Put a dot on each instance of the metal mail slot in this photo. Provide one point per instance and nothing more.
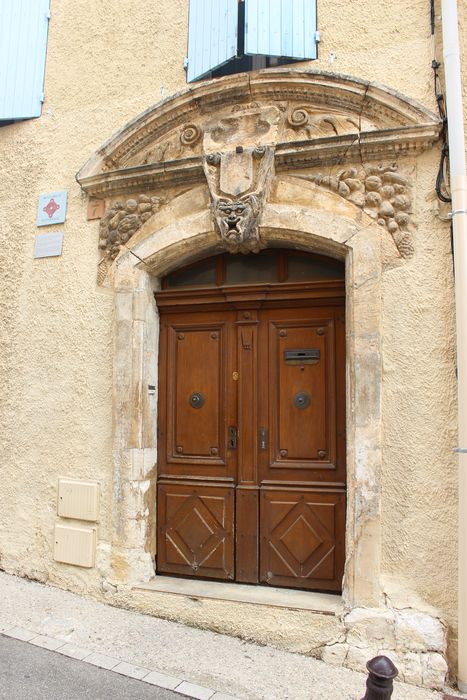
(302, 356)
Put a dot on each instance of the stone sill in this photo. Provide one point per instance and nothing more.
(321, 603)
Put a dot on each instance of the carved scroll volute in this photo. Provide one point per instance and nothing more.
(237, 197)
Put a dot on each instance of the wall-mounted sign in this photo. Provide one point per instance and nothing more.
(52, 208)
(96, 209)
(48, 245)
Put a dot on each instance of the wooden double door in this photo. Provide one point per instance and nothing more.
(251, 471)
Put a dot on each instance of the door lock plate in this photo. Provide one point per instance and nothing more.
(232, 438)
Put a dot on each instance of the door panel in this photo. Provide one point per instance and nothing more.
(302, 409)
(302, 540)
(303, 400)
(196, 524)
(195, 405)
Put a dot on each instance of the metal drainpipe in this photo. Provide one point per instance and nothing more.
(458, 186)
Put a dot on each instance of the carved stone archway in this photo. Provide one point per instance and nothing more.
(309, 160)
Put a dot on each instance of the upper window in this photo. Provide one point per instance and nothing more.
(272, 266)
(23, 45)
(230, 36)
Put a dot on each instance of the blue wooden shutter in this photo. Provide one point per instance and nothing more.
(23, 46)
(212, 35)
(281, 28)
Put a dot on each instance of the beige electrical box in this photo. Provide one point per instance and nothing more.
(78, 499)
(75, 545)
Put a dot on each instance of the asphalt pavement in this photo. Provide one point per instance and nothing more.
(27, 671)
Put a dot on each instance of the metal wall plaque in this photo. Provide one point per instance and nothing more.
(48, 245)
(52, 208)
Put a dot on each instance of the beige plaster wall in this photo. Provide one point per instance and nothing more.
(104, 66)
(419, 420)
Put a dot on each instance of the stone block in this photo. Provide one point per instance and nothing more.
(410, 668)
(335, 654)
(418, 631)
(130, 670)
(102, 661)
(74, 652)
(162, 680)
(47, 642)
(434, 670)
(370, 628)
(195, 691)
(357, 658)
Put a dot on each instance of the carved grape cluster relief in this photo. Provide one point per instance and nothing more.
(382, 192)
(122, 221)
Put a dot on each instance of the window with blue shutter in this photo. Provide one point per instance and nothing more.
(230, 36)
(23, 47)
(281, 28)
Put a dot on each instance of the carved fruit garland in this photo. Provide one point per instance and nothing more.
(119, 224)
(122, 221)
(382, 193)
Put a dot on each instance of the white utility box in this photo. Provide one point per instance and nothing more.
(78, 499)
(75, 545)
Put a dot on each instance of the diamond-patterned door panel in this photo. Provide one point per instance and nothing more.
(302, 538)
(195, 532)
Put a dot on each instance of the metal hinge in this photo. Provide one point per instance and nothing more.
(185, 62)
(42, 97)
(317, 36)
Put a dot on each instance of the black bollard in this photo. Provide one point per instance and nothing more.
(381, 673)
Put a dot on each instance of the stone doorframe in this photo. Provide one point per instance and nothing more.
(135, 369)
(237, 164)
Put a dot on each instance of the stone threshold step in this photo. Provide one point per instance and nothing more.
(321, 603)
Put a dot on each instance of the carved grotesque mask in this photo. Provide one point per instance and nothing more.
(237, 221)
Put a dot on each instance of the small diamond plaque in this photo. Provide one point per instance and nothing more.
(52, 208)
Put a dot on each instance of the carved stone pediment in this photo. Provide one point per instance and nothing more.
(236, 132)
(317, 118)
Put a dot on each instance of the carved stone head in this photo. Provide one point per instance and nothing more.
(237, 221)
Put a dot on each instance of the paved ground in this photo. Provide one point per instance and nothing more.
(26, 671)
(196, 663)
